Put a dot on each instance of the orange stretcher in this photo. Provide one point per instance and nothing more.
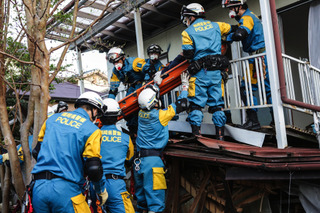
(171, 79)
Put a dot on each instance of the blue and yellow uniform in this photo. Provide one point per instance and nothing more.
(254, 44)
(67, 139)
(150, 68)
(116, 148)
(132, 73)
(203, 37)
(153, 135)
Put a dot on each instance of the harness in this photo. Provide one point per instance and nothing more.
(145, 153)
(114, 177)
(261, 50)
(210, 63)
(45, 175)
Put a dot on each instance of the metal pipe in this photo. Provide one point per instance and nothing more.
(278, 112)
(282, 81)
(138, 28)
(80, 70)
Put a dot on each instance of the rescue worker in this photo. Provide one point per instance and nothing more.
(131, 72)
(201, 45)
(153, 62)
(116, 148)
(153, 135)
(68, 149)
(250, 33)
(62, 107)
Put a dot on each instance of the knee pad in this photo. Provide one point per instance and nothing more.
(194, 106)
(93, 168)
(212, 110)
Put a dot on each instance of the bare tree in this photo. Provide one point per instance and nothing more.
(33, 17)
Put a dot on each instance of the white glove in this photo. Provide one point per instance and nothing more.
(103, 197)
(5, 157)
(157, 78)
(185, 80)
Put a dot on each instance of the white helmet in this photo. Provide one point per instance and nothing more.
(111, 107)
(193, 9)
(115, 54)
(89, 98)
(148, 98)
(232, 3)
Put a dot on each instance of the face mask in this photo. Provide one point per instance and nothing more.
(118, 66)
(232, 14)
(154, 56)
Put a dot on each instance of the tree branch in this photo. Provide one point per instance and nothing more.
(84, 32)
(21, 61)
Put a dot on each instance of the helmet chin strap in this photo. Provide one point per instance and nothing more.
(93, 117)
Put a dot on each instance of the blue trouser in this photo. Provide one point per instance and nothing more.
(55, 195)
(255, 86)
(205, 89)
(150, 184)
(119, 198)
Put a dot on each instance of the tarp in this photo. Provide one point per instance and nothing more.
(314, 34)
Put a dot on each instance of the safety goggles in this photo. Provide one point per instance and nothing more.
(113, 57)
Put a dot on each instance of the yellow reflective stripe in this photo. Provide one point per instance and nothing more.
(186, 40)
(130, 152)
(93, 145)
(224, 27)
(248, 22)
(20, 154)
(79, 204)
(138, 64)
(192, 87)
(159, 181)
(42, 131)
(114, 78)
(128, 207)
(222, 87)
(166, 115)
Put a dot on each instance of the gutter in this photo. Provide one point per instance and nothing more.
(282, 81)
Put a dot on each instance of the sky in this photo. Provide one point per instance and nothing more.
(90, 60)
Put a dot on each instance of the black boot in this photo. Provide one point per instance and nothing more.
(228, 115)
(195, 130)
(252, 123)
(220, 133)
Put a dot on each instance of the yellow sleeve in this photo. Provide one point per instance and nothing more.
(42, 131)
(93, 145)
(224, 27)
(248, 22)
(130, 152)
(166, 115)
(138, 64)
(186, 40)
(114, 78)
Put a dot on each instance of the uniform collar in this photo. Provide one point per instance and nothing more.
(104, 127)
(83, 113)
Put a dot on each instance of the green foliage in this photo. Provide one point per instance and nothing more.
(63, 17)
(16, 71)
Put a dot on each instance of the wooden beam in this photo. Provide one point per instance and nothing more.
(112, 34)
(159, 11)
(200, 193)
(106, 21)
(122, 26)
(148, 22)
(87, 15)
